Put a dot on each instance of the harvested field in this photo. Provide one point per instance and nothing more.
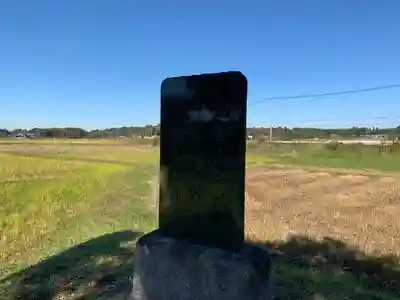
(357, 209)
(333, 235)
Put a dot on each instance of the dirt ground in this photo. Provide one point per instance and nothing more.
(358, 209)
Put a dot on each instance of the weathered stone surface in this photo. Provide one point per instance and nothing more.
(171, 269)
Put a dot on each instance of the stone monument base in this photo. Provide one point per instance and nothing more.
(172, 269)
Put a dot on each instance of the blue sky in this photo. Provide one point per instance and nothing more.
(98, 63)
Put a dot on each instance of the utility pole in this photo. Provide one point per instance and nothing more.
(270, 133)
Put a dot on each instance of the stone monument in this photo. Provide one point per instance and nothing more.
(199, 251)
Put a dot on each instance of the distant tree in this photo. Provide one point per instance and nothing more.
(75, 133)
(4, 133)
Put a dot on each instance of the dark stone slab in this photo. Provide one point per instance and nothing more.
(202, 159)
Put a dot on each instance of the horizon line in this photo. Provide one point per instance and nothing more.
(247, 126)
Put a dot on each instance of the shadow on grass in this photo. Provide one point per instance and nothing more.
(304, 268)
(100, 268)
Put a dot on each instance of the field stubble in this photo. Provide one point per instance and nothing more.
(357, 209)
(334, 235)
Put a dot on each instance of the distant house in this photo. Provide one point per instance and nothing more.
(19, 136)
(23, 135)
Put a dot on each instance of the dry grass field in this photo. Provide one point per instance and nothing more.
(70, 214)
(334, 235)
(360, 209)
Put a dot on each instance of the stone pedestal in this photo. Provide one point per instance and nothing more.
(167, 268)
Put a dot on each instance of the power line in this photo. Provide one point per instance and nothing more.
(364, 90)
(306, 122)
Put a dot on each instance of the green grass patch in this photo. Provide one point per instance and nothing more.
(85, 142)
(95, 142)
(290, 282)
(357, 157)
(50, 201)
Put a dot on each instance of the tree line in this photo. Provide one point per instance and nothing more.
(282, 133)
(78, 133)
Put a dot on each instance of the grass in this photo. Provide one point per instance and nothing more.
(87, 142)
(55, 199)
(305, 268)
(71, 211)
(334, 233)
(84, 142)
(292, 282)
(356, 157)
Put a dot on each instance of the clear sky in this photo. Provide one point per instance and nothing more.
(98, 63)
